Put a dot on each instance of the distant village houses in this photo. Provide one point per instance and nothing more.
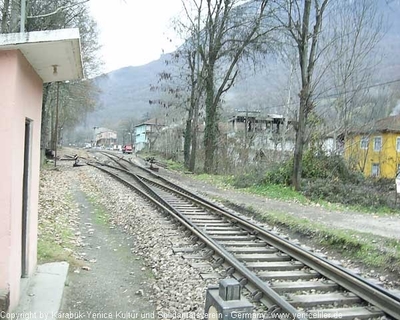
(105, 137)
(264, 131)
(245, 137)
(374, 148)
(146, 133)
(253, 121)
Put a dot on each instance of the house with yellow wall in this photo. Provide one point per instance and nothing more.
(374, 149)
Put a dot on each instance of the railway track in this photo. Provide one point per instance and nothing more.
(282, 275)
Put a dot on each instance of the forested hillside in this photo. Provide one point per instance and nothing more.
(125, 93)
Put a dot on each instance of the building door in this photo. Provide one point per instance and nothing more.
(25, 199)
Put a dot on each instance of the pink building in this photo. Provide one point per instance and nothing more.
(27, 60)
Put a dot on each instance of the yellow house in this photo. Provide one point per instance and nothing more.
(374, 149)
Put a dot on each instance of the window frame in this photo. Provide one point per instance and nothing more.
(380, 148)
(398, 144)
(364, 140)
(376, 165)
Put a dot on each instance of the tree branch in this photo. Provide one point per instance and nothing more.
(56, 11)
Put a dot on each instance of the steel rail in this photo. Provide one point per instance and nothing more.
(367, 290)
(112, 157)
(270, 295)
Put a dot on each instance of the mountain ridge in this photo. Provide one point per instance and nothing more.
(125, 92)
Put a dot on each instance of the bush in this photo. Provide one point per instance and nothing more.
(316, 165)
(280, 173)
(347, 193)
(253, 178)
(329, 178)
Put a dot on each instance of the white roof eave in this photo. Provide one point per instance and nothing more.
(55, 55)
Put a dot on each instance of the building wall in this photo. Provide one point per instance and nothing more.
(141, 139)
(21, 98)
(388, 157)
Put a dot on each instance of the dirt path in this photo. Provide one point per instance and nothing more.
(116, 284)
(387, 226)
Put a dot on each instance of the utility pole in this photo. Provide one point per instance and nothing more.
(23, 16)
(56, 129)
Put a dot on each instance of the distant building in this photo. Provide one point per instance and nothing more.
(269, 132)
(374, 149)
(252, 121)
(105, 137)
(146, 133)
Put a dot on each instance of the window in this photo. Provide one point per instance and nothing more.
(377, 143)
(398, 144)
(364, 143)
(375, 170)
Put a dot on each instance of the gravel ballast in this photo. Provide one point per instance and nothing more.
(164, 279)
(177, 287)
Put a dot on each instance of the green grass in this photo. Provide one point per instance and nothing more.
(286, 193)
(177, 166)
(381, 211)
(220, 181)
(272, 191)
(50, 251)
(55, 241)
(372, 250)
(102, 217)
(280, 192)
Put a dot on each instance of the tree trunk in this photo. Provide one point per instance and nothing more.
(192, 163)
(4, 16)
(210, 131)
(188, 138)
(306, 66)
(15, 15)
(299, 146)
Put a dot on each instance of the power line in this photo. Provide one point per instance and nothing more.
(341, 93)
(362, 88)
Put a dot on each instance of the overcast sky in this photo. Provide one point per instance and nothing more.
(134, 32)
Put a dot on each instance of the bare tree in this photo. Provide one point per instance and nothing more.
(5, 16)
(189, 73)
(196, 94)
(48, 15)
(15, 15)
(228, 29)
(10, 15)
(127, 126)
(357, 28)
(178, 86)
(304, 28)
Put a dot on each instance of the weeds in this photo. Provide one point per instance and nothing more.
(56, 236)
(374, 251)
(101, 215)
(177, 166)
